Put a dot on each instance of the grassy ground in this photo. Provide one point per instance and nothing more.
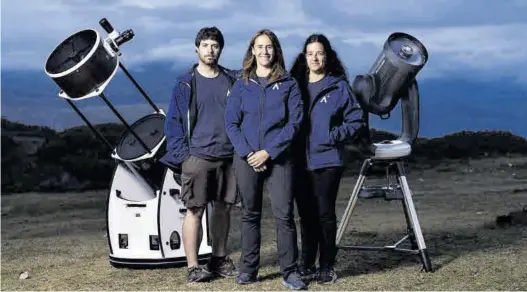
(59, 238)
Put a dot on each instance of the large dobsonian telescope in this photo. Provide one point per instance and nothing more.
(144, 211)
(391, 79)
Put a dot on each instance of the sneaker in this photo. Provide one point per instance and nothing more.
(327, 276)
(294, 281)
(222, 266)
(308, 274)
(198, 274)
(246, 278)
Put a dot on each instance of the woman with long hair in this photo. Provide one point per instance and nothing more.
(332, 117)
(263, 115)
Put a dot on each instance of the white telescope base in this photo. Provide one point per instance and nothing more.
(145, 229)
(391, 149)
(389, 154)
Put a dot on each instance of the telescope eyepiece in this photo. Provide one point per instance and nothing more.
(124, 37)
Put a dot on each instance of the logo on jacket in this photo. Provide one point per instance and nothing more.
(228, 92)
(276, 86)
(325, 99)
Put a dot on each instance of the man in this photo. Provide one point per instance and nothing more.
(198, 146)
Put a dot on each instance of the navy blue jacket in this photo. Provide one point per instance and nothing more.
(331, 120)
(263, 118)
(181, 117)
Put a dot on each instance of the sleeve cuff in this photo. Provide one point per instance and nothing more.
(272, 154)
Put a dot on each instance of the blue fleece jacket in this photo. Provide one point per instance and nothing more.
(181, 117)
(263, 118)
(332, 119)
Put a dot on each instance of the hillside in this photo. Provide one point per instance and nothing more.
(74, 159)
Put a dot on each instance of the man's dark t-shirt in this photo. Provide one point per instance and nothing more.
(209, 139)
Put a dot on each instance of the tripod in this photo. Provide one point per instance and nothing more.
(390, 80)
(401, 192)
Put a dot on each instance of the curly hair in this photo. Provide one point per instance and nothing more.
(300, 70)
(212, 33)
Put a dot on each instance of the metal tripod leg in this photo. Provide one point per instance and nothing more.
(349, 210)
(353, 200)
(409, 229)
(413, 228)
(414, 221)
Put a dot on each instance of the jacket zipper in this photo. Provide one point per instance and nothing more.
(318, 97)
(315, 100)
(261, 108)
(260, 112)
(188, 114)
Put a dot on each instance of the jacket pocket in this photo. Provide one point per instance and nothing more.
(319, 139)
(324, 144)
(331, 140)
(323, 147)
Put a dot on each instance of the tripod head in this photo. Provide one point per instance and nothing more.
(392, 78)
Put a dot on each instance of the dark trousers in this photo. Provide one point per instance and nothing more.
(279, 187)
(315, 195)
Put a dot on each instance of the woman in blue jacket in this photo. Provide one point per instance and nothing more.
(332, 117)
(262, 117)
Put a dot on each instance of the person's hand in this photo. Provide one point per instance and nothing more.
(257, 159)
(260, 169)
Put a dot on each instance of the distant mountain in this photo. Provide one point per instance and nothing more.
(74, 159)
(447, 105)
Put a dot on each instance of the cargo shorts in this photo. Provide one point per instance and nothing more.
(204, 181)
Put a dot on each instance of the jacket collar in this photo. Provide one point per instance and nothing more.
(286, 77)
(332, 80)
(187, 77)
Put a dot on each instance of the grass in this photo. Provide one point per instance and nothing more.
(60, 238)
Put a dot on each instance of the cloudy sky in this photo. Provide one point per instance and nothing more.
(476, 38)
(479, 41)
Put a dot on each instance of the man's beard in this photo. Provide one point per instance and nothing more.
(213, 61)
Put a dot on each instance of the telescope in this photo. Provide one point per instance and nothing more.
(391, 79)
(144, 211)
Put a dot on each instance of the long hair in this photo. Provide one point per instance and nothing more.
(334, 67)
(278, 64)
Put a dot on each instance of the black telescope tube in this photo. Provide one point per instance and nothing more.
(125, 123)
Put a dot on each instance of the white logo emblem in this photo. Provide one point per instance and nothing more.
(324, 99)
(276, 86)
(228, 92)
